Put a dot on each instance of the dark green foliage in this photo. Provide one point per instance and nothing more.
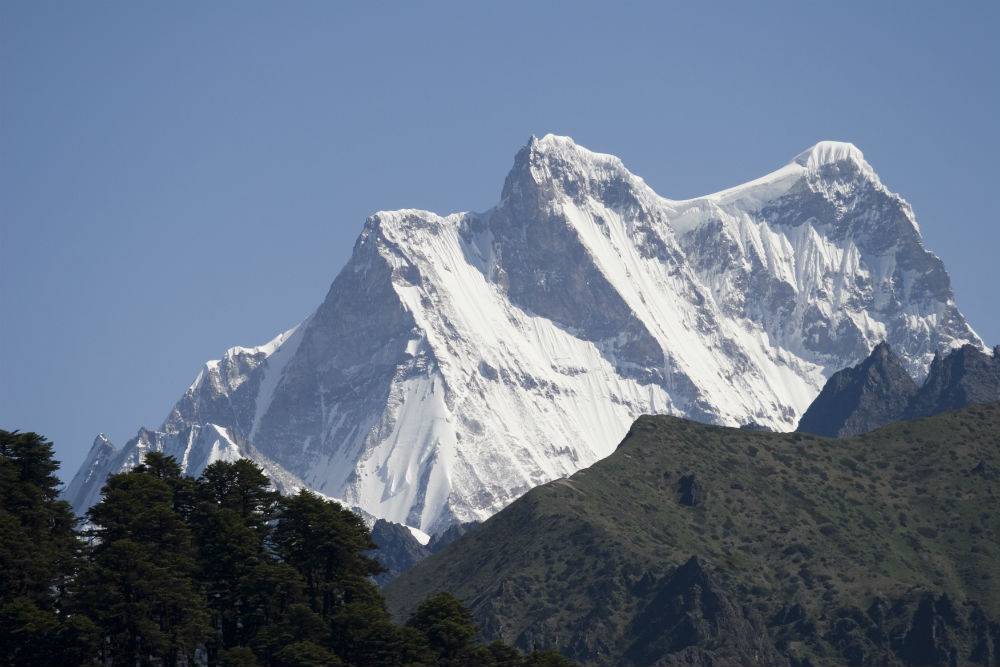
(240, 487)
(503, 655)
(39, 556)
(245, 590)
(546, 659)
(809, 550)
(38, 544)
(140, 580)
(306, 654)
(448, 627)
(221, 566)
(238, 656)
(326, 544)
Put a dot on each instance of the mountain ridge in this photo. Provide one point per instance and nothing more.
(793, 550)
(459, 360)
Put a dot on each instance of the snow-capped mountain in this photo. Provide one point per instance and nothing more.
(458, 361)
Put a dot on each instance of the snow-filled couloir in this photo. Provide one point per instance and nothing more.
(458, 361)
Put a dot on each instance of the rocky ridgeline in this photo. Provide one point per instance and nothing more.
(879, 391)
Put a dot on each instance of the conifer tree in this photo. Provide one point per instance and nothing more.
(141, 578)
(230, 516)
(174, 565)
(39, 557)
(327, 545)
(448, 627)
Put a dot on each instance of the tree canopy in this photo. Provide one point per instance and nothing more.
(218, 570)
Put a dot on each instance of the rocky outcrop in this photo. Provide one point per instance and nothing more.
(964, 377)
(691, 620)
(879, 391)
(690, 491)
(398, 549)
(859, 399)
(440, 540)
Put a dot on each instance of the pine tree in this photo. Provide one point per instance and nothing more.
(363, 634)
(175, 564)
(230, 516)
(448, 627)
(141, 577)
(238, 656)
(39, 556)
(275, 612)
(504, 655)
(327, 545)
(306, 654)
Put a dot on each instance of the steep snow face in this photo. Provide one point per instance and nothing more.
(458, 361)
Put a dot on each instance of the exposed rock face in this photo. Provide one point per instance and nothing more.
(459, 361)
(398, 549)
(964, 377)
(690, 491)
(690, 620)
(856, 400)
(440, 540)
(878, 391)
(84, 488)
(917, 629)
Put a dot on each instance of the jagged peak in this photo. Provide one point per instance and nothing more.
(102, 443)
(267, 349)
(389, 224)
(881, 351)
(808, 162)
(565, 149)
(402, 216)
(882, 355)
(831, 152)
(211, 368)
(559, 160)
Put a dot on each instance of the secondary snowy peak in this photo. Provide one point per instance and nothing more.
(82, 489)
(459, 360)
(831, 152)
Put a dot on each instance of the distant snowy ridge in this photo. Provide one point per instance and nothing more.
(458, 361)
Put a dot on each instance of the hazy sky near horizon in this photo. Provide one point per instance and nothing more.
(179, 178)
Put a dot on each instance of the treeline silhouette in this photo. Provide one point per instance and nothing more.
(218, 570)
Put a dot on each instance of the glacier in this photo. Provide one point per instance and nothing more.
(457, 361)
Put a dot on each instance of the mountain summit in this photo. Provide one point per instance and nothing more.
(458, 361)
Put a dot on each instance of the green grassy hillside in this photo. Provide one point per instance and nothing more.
(881, 549)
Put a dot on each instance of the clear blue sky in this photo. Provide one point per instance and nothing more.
(178, 178)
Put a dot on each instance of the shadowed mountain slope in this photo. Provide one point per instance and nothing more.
(704, 545)
(859, 399)
(879, 391)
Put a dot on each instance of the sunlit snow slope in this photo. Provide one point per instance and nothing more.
(458, 361)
